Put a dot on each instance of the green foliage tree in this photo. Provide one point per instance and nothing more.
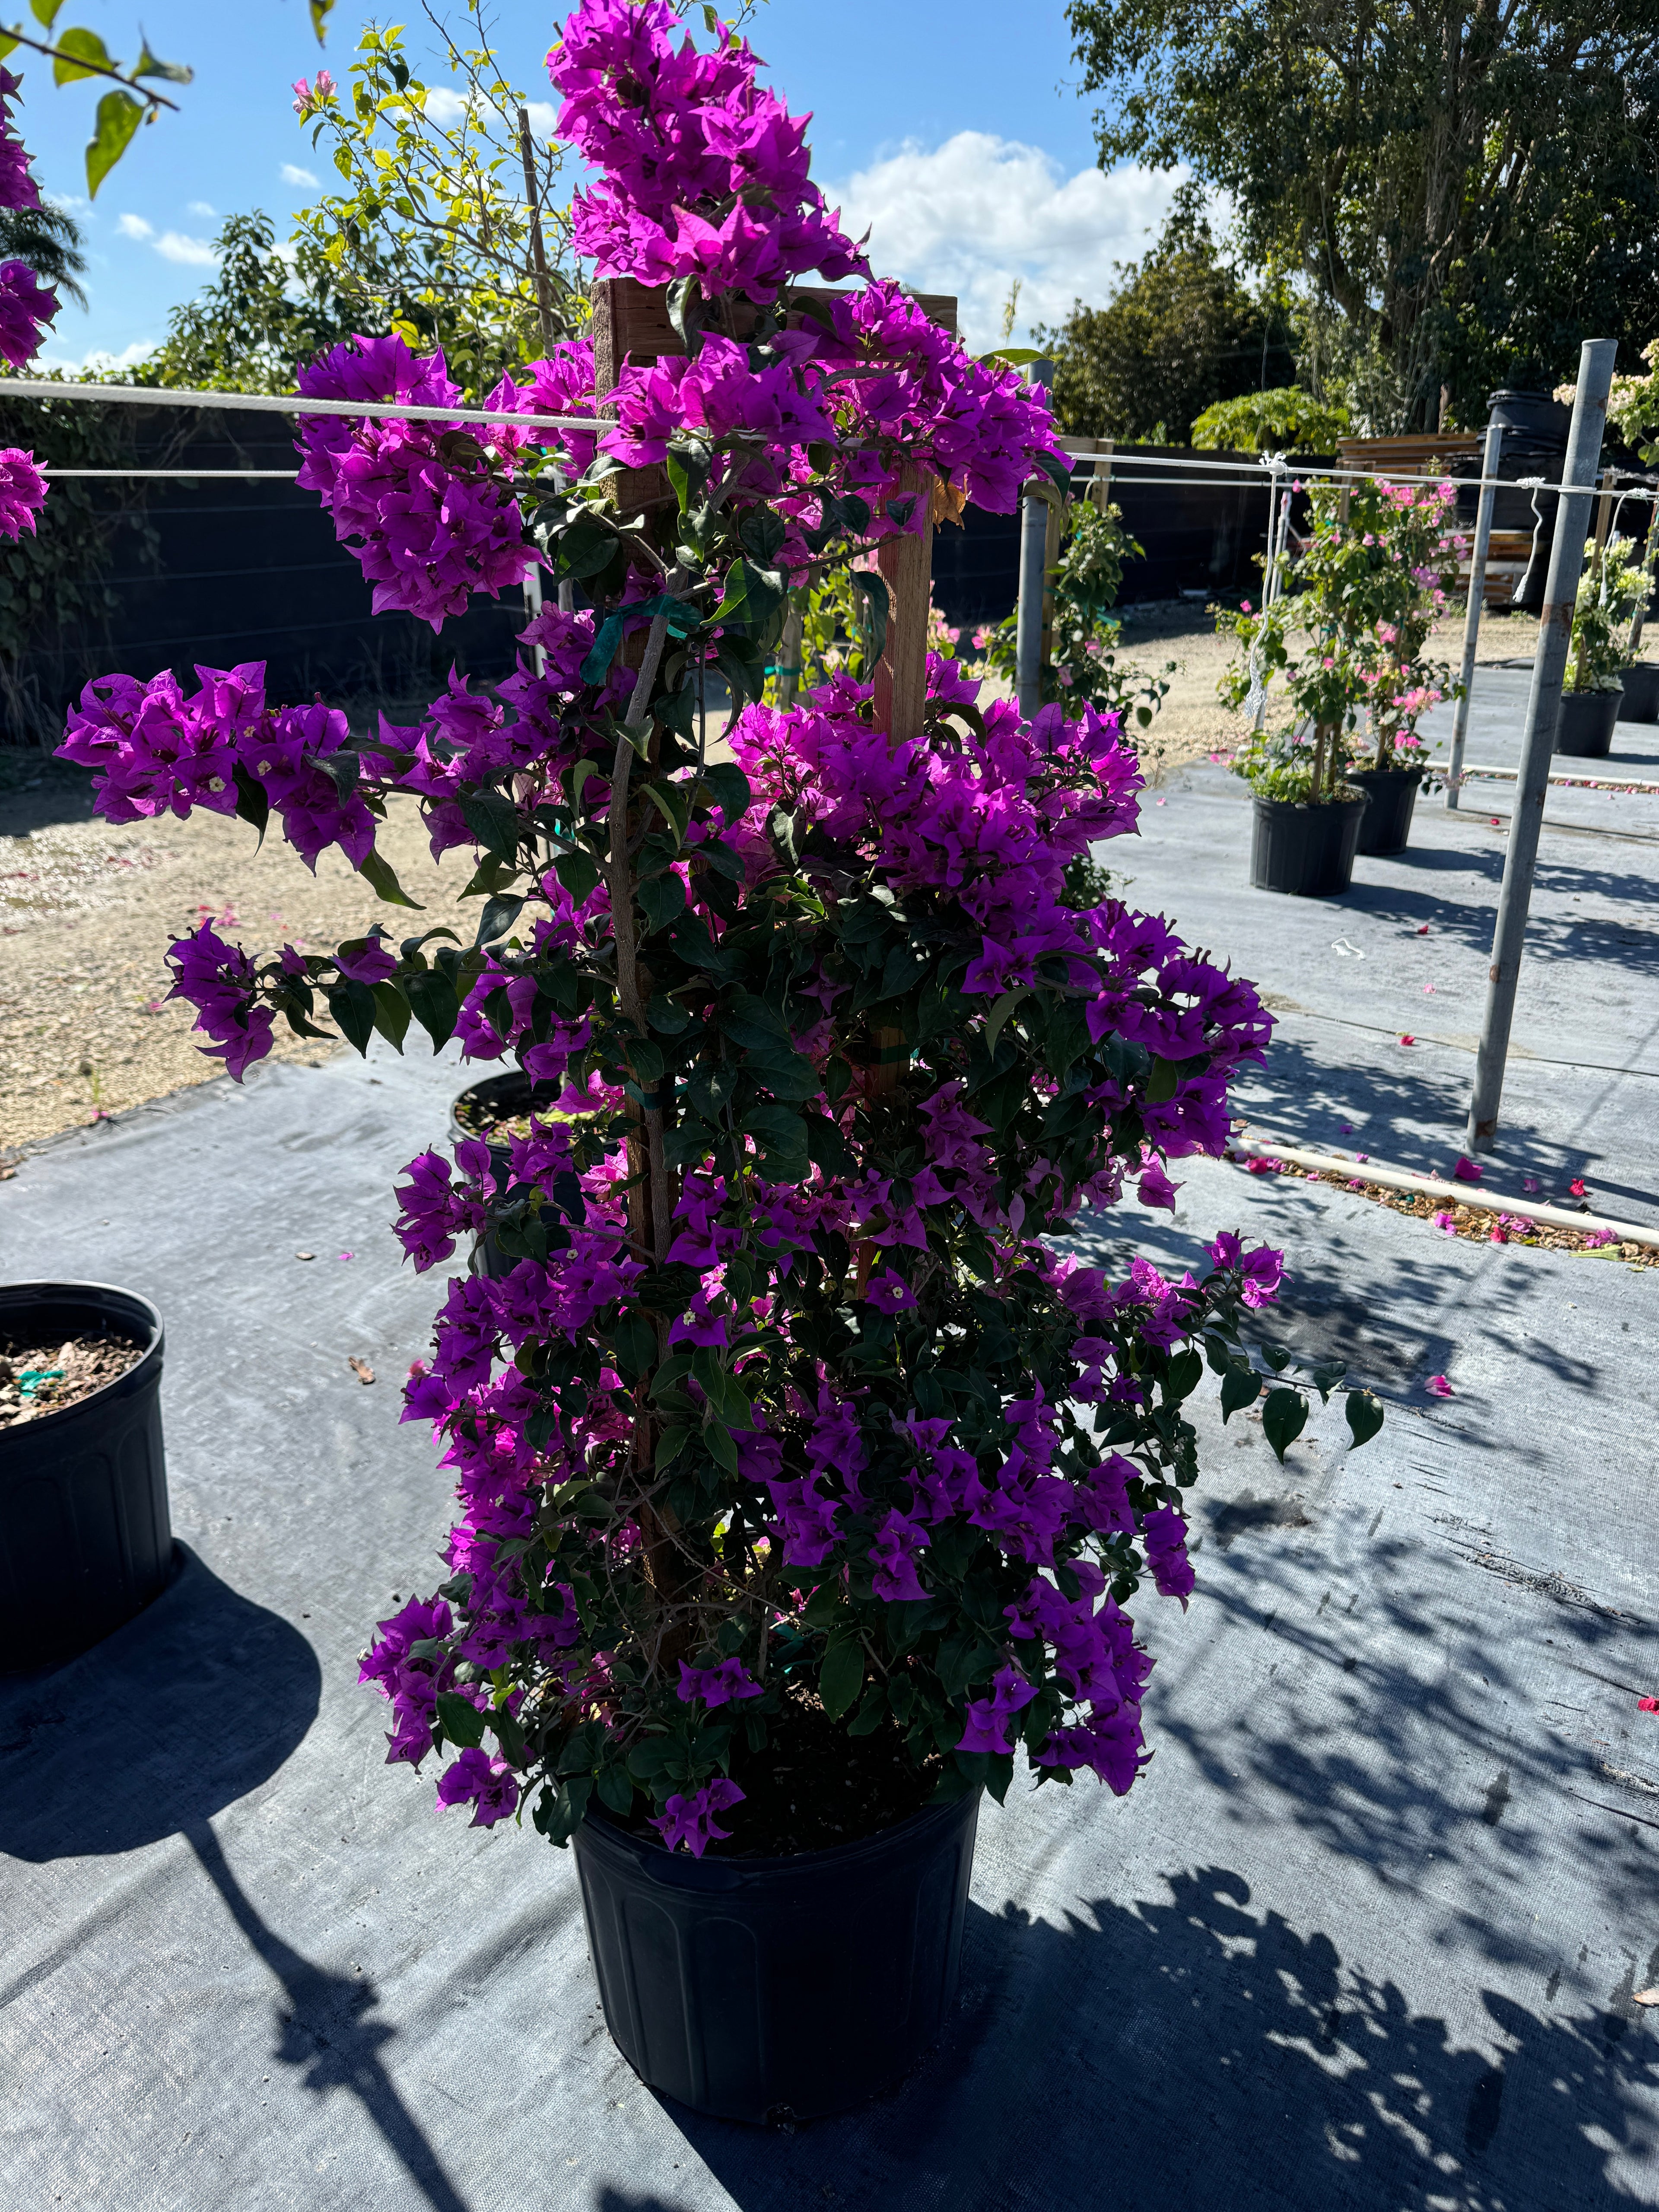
(449, 228)
(1181, 333)
(48, 239)
(1286, 419)
(263, 311)
(1473, 184)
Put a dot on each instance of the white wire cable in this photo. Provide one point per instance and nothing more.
(258, 403)
(267, 403)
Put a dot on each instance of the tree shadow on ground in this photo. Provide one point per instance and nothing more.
(39, 792)
(323, 2032)
(1411, 1111)
(1398, 1300)
(1195, 2050)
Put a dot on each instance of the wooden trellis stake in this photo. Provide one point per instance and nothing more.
(630, 324)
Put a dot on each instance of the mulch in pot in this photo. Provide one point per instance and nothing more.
(44, 1378)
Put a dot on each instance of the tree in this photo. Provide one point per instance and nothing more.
(1474, 184)
(48, 239)
(263, 312)
(436, 235)
(1181, 333)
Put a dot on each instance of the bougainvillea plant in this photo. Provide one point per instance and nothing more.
(785, 1402)
(1349, 637)
(26, 308)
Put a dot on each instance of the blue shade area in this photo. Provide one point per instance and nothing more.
(875, 76)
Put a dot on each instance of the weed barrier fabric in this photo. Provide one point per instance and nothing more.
(1367, 1934)
(1404, 953)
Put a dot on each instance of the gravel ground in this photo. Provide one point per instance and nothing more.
(87, 909)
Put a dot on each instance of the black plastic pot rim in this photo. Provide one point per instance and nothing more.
(722, 1872)
(40, 1294)
(1315, 806)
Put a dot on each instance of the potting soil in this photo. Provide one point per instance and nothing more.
(46, 1378)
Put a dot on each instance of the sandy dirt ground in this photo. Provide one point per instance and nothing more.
(87, 909)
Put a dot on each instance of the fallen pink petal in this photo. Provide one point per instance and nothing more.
(1467, 1170)
(1437, 1387)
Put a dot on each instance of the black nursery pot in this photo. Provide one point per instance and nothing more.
(85, 1538)
(1641, 683)
(1583, 729)
(509, 1094)
(1386, 824)
(1307, 851)
(759, 1989)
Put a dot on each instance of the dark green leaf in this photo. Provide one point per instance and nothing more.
(463, 1723)
(433, 1002)
(842, 1676)
(1365, 1412)
(252, 804)
(578, 872)
(662, 899)
(377, 874)
(391, 1014)
(1161, 1088)
(494, 821)
(729, 787)
(498, 915)
(616, 1791)
(1186, 1371)
(1284, 1417)
(352, 1006)
(1240, 1387)
(873, 589)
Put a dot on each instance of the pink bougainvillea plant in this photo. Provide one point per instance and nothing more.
(782, 1394)
(26, 308)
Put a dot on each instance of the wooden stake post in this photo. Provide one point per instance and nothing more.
(630, 324)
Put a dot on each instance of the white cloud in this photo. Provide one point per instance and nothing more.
(98, 362)
(444, 105)
(192, 252)
(208, 213)
(445, 108)
(972, 214)
(292, 175)
(134, 226)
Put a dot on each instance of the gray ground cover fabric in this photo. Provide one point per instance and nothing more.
(1348, 977)
(1367, 1935)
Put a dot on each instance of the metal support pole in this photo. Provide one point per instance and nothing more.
(1027, 629)
(1590, 414)
(1477, 603)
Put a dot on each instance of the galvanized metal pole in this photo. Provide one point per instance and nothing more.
(1027, 629)
(1033, 577)
(1589, 414)
(1477, 603)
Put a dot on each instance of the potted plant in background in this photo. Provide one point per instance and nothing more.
(1613, 585)
(802, 1483)
(1347, 639)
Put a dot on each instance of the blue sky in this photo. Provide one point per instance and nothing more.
(964, 143)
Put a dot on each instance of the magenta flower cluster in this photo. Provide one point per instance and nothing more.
(26, 307)
(704, 172)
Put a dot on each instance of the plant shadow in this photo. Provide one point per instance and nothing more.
(1197, 2049)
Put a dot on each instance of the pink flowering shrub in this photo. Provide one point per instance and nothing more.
(787, 1394)
(26, 307)
(1349, 638)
